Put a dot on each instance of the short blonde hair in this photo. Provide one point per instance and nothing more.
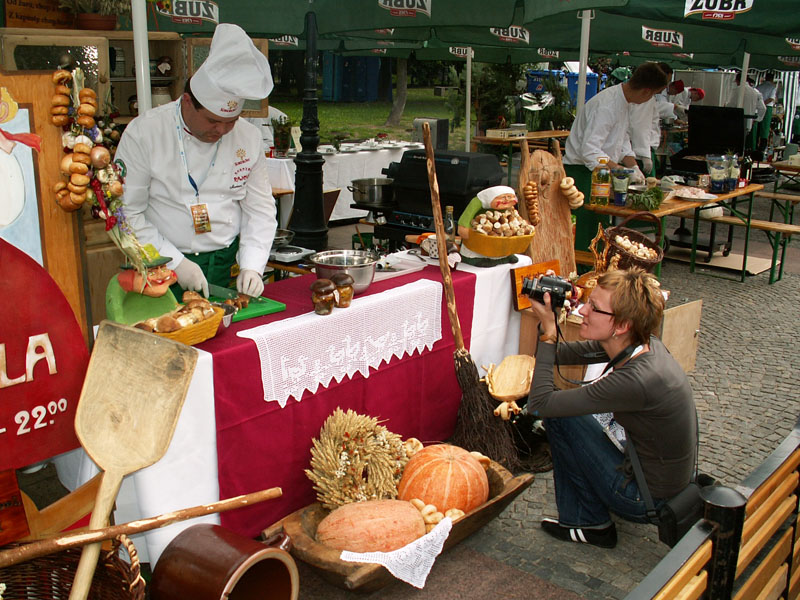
(635, 298)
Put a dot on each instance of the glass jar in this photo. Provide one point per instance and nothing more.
(323, 296)
(344, 289)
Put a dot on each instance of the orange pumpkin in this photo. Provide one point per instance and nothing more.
(445, 476)
(371, 526)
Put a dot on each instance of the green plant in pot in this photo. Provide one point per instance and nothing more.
(96, 14)
(282, 134)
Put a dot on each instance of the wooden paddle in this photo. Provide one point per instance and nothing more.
(128, 409)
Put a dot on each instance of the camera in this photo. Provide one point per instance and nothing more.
(558, 288)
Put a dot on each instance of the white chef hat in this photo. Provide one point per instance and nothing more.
(234, 70)
(486, 196)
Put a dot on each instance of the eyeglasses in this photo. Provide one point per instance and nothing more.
(593, 307)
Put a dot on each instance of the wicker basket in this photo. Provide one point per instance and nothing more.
(626, 259)
(50, 577)
(199, 332)
(495, 246)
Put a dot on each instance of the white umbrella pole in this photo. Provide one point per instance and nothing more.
(585, 18)
(743, 79)
(141, 52)
(468, 115)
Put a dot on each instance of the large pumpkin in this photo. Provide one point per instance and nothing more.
(445, 476)
(371, 526)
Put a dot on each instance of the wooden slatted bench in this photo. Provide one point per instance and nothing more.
(745, 549)
(794, 198)
(779, 235)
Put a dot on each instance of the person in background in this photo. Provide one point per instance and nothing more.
(265, 126)
(602, 128)
(645, 388)
(769, 93)
(645, 128)
(196, 183)
(692, 95)
(753, 105)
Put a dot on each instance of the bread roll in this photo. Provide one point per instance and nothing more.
(78, 167)
(77, 198)
(79, 179)
(82, 148)
(78, 189)
(61, 76)
(59, 110)
(80, 157)
(86, 93)
(87, 110)
(62, 89)
(59, 120)
(86, 122)
(60, 100)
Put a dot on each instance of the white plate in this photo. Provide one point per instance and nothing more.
(349, 149)
(403, 266)
(705, 196)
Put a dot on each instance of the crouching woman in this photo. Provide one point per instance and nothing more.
(642, 385)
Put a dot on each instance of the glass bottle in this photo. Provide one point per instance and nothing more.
(601, 182)
(449, 224)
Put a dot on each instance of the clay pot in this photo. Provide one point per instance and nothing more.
(209, 562)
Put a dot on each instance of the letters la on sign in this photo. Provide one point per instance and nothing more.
(43, 361)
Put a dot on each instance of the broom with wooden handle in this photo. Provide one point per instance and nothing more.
(19, 554)
(477, 429)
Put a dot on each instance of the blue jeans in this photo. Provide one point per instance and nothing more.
(587, 470)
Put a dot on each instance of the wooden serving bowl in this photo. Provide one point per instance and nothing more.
(495, 246)
(301, 527)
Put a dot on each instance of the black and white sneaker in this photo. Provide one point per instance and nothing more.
(605, 537)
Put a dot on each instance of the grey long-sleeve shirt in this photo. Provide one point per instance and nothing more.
(650, 397)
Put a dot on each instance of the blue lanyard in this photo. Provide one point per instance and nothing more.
(182, 150)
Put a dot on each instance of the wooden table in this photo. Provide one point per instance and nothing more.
(534, 138)
(675, 205)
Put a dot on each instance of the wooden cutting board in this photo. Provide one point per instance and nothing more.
(553, 239)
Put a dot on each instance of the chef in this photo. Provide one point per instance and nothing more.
(753, 105)
(602, 129)
(196, 184)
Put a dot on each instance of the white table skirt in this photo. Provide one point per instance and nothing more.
(338, 171)
(187, 475)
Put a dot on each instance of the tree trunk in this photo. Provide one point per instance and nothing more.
(402, 92)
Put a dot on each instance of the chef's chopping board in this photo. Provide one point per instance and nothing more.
(256, 308)
(553, 238)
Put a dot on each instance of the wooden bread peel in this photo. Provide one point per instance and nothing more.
(127, 412)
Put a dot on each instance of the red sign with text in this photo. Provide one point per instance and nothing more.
(43, 361)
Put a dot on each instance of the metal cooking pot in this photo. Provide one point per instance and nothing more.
(372, 190)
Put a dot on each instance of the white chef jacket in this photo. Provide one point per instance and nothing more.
(265, 126)
(768, 91)
(600, 130)
(753, 103)
(645, 128)
(235, 189)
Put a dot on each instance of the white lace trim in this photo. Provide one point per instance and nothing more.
(413, 562)
(317, 348)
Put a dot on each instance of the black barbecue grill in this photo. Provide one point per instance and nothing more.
(460, 175)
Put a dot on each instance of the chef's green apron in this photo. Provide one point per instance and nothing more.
(586, 225)
(765, 124)
(216, 266)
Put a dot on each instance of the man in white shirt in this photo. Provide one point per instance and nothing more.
(753, 106)
(769, 93)
(196, 183)
(603, 129)
(265, 126)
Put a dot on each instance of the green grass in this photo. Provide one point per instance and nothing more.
(362, 120)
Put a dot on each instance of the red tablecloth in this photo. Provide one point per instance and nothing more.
(260, 445)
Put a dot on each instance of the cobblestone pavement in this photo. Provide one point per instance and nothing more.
(747, 403)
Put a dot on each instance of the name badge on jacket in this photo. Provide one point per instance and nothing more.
(200, 218)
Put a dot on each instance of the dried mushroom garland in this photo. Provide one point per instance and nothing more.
(355, 459)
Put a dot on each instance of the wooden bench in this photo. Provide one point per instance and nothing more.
(779, 235)
(794, 198)
(747, 547)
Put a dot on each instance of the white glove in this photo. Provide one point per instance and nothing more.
(637, 176)
(249, 282)
(647, 165)
(191, 277)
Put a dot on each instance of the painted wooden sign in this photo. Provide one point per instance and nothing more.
(43, 362)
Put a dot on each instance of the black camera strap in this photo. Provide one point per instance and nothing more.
(622, 356)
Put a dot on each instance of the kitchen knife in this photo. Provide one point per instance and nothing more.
(222, 292)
